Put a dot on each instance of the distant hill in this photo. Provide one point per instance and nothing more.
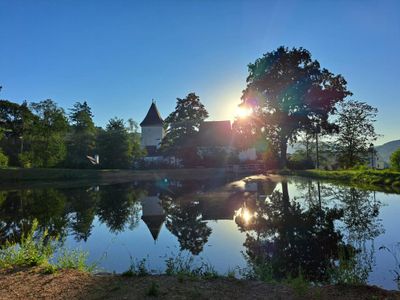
(387, 149)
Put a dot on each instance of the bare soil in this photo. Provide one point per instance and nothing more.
(70, 284)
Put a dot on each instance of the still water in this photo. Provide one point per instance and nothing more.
(289, 224)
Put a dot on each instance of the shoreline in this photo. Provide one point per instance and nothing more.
(17, 177)
(378, 180)
(72, 284)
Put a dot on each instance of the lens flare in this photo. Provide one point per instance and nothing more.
(243, 112)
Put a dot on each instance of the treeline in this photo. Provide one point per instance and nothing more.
(43, 135)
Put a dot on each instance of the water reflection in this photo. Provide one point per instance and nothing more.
(315, 231)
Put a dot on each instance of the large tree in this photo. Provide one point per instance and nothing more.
(47, 135)
(116, 146)
(183, 125)
(82, 137)
(15, 122)
(289, 93)
(356, 132)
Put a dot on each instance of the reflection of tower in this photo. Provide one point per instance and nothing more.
(153, 214)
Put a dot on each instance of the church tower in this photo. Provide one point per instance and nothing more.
(152, 130)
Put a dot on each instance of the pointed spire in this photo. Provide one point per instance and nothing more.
(153, 116)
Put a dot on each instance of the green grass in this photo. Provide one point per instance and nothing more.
(185, 266)
(137, 268)
(153, 290)
(386, 180)
(74, 259)
(299, 285)
(38, 249)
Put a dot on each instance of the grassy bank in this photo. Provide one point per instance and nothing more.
(386, 180)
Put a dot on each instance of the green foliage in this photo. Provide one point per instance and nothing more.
(82, 137)
(356, 132)
(153, 290)
(32, 250)
(137, 268)
(231, 273)
(73, 259)
(395, 160)
(117, 147)
(260, 270)
(289, 92)
(378, 179)
(297, 163)
(25, 159)
(16, 120)
(185, 266)
(37, 248)
(47, 135)
(3, 160)
(183, 125)
(299, 284)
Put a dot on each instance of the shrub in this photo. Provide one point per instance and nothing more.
(33, 250)
(37, 249)
(73, 259)
(25, 159)
(185, 265)
(395, 160)
(300, 164)
(3, 160)
(137, 268)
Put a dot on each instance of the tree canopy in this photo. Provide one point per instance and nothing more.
(81, 140)
(356, 132)
(183, 124)
(395, 160)
(47, 134)
(289, 93)
(117, 147)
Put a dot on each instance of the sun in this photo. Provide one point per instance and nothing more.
(243, 112)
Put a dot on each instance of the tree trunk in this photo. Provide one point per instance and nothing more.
(317, 151)
(283, 150)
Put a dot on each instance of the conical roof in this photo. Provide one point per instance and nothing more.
(154, 223)
(153, 117)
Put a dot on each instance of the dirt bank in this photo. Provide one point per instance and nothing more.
(69, 284)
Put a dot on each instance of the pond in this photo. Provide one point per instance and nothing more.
(282, 226)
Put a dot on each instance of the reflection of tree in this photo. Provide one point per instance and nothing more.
(83, 206)
(184, 220)
(361, 211)
(19, 208)
(118, 206)
(290, 239)
(57, 211)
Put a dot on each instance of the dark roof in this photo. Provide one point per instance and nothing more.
(153, 117)
(215, 133)
(154, 223)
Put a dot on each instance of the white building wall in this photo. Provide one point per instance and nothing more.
(249, 154)
(152, 136)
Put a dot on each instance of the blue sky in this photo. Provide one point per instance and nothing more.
(118, 55)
